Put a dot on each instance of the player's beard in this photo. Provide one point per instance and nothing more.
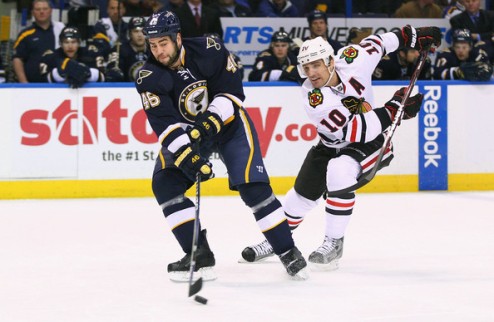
(173, 58)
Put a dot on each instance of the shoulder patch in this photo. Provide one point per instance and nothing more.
(143, 73)
(349, 54)
(356, 105)
(210, 42)
(315, 97)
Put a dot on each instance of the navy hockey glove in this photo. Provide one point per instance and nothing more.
(75, 73)
(422, 38)
(290, 73)
(475, 71)
(188, 159)
(114, 75)
(412, 105)
(207, 125)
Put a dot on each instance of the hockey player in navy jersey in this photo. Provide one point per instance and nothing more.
(192, 95)
(71, 63)
(124, 64)
(338, 98)
(463, 60)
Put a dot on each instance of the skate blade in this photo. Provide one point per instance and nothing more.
(331, 266)
(207, 274)
(302, 275)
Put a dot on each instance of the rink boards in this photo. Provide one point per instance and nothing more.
(96, 142)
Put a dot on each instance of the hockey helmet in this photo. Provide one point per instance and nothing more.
(69, 33)
(163, 23)
(136, 23)
(280, 36)
(316, 14)
(312, 50)
(462, 35)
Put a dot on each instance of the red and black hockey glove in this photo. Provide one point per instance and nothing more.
(412, 105)
(422, 38)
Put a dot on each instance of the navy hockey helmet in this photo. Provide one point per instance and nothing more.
(136, 23)
(316, 14)
(163, 23)
(280, 36)
(69, 33)
(462, 35)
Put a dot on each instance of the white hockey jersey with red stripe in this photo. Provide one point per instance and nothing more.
(328, 107)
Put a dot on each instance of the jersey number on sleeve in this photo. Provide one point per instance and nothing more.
(149, 100)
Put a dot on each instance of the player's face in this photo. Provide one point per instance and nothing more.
(112, 10)
(472, 6)
(41, 12)
(412, 55)
(165, 50)
(318, 27)
(137, 37)
(317, 72)
(280, 50)
(462, 50)
(70, 47)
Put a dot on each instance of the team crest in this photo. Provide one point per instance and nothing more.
(193, 99)
(356, 105)
(315, 97)
(349, 54)
(211, 42)
(143, 73)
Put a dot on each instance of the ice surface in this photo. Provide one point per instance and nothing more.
(425, 256)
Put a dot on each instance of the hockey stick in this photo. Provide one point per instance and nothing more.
(365, 179)
(195, 287)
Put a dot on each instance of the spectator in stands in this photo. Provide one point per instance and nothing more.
(277, 63)
(479, 22)
(33, 41)
(113, 28)
(173, 5)
(455, 8)
(230, 8)
(419, 9)
(326, 6)
(71, 63)
(197, 19)
(277, 8)
(463, 60)
(318, 27)
(124, 65)
(400, 65)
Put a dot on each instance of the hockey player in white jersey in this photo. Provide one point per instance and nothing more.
(338, 99)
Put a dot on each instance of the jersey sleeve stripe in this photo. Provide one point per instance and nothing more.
(24, 35)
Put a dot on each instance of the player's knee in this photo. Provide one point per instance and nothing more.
(169, 193)
(259, 197)
(342, 172)
(297, 205)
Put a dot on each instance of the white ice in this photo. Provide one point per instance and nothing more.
(425, 256)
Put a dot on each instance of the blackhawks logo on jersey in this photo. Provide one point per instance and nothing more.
(356, 105)
(315, 97)
(349, 54)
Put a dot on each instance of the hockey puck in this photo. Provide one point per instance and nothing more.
(201, 299)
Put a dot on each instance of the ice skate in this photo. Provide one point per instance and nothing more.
(295, 264)
(326, 257)
(257, 252)
(179, 271)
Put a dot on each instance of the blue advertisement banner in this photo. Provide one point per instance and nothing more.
(433, 138)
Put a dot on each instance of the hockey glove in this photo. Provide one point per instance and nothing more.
(475, 71)
(412, 105)
(421, 38)
(114, 75)
(207, 125)
(290, 73)
(188, 159)
(75, 73)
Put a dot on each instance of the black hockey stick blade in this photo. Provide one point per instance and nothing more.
(367, 177)
(195, 287)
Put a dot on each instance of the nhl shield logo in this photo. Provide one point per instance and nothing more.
(315, 97)
(349, 54)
